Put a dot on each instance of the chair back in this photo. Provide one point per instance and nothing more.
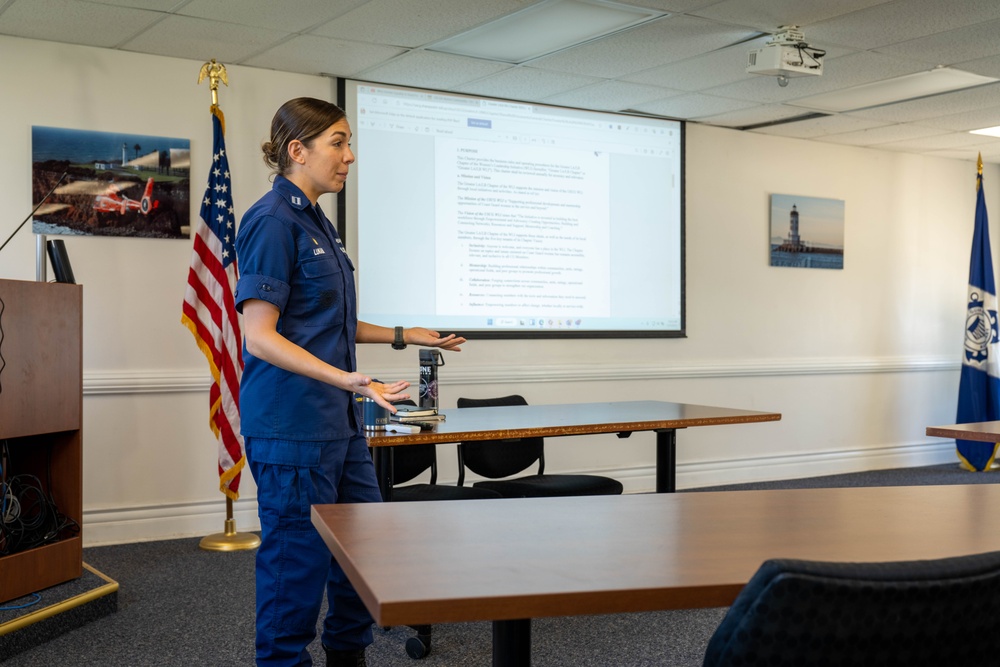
(913, 613)
(410, 460)
(499, 458)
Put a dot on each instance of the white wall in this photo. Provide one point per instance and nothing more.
(858, 361)
(149, 456)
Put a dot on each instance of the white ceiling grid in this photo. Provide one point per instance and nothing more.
(690, 64)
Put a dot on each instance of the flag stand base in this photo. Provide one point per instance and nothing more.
(229, 540)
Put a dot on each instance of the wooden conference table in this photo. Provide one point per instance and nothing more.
(979, 431)
(510, 560)
(525, 421)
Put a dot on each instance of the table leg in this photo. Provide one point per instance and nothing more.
(383, 471)
(666, 461)
(512, 643)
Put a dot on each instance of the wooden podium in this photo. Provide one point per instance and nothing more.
(41, 406)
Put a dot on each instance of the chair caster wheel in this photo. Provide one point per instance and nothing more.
(417, 648)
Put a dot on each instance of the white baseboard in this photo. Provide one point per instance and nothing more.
(813, 464)
(142, 524)
(124, 525)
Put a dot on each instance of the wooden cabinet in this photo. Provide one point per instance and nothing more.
(41, 408)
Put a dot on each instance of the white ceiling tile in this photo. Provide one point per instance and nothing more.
(427, 69)
(690, 64)
(693, 105)
(309, 54)
(651, 44)
(965, 121)
(935, 106)
(268, 13)
(768, 15)
(956, 46)
(881, 135)
(526, 83)
(711, 69)
(610, 96)
(413, 23)
(202, 40)
(813, 128)
(938, 142)
(901, 21)
(983, 66)
(75, 22)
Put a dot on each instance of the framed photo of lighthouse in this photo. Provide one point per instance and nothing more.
(807, 232)
(110, 183)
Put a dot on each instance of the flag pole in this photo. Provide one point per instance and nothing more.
(229, 539)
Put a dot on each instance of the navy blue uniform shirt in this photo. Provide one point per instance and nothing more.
(291, 256)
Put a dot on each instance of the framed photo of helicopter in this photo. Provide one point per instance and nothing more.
(110, 184)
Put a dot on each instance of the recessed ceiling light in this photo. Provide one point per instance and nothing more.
(988, 131)
(544, 28)
(902, 88)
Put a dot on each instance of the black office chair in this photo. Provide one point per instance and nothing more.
(912, 613)
(408, 462)
(502, 458)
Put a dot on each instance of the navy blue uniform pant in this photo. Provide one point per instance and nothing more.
(294, 565)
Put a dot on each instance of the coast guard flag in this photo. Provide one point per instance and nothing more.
(979, 387)
(210, 314)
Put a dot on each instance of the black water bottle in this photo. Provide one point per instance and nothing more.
(429, 361)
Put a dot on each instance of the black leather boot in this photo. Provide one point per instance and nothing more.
(353, 658)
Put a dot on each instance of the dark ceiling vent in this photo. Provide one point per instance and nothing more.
(793, 119)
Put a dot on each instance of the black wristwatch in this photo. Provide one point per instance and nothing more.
(397, 340)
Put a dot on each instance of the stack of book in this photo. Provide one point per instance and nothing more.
(412, 414)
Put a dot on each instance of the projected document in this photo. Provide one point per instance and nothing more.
(482, 215)
(529, 227)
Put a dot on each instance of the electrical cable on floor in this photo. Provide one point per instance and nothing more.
(15, 607)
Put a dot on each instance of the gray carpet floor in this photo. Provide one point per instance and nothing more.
(181, 606)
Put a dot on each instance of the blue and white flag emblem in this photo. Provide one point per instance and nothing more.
(981, 332)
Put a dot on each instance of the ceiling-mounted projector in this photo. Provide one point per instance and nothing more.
(787, 54)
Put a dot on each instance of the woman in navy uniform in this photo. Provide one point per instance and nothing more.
(302, 429)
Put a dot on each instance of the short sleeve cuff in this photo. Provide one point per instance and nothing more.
(264, 288)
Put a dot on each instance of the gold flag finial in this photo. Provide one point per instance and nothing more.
(979, 165)
(215, 72)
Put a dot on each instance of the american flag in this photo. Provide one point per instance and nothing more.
(210, 314)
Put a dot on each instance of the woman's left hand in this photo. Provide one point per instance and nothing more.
(429, 338)
(383, 393)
